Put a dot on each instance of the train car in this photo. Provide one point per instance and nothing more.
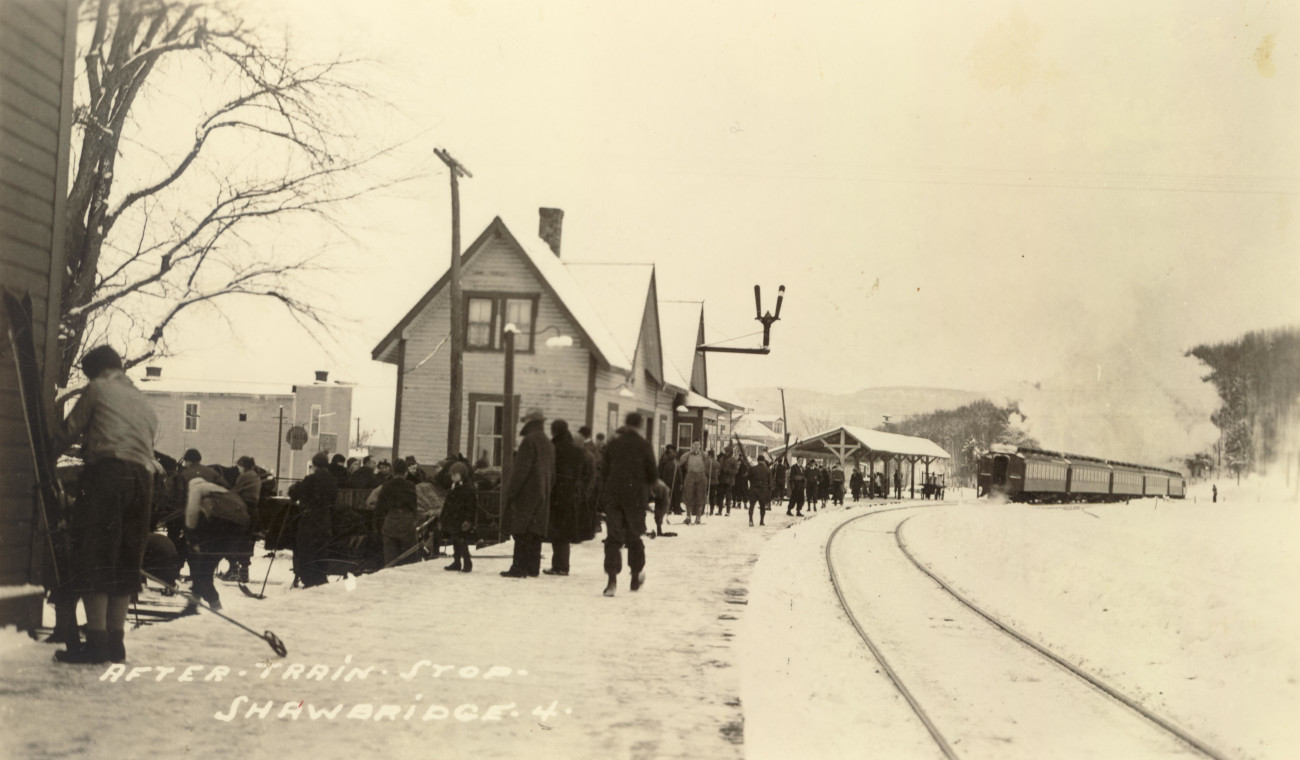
(1046, 476)
(1025, 474)
(1126, 481)
(1155, 483)
(1090, 478)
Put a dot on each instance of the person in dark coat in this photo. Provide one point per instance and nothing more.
(364, 476)
(760, 490)
(855, 484)
(796, 490)
(528, 496)
(629, 467)
(668, 473)
(570, 521)
(779, 472)
(458, 513)
(316, 495)
(395, 514)
(248, 486)
(727, 478)
(339, 469)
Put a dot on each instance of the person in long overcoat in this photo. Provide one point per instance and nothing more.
(316, 495)
(528, 496)
(571, 518)
(630, 472)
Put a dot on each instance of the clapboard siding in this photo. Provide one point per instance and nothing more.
(24, 202)
(25, 24)
(36, 49)
(554, 379)
(18, 227)
(15, 173)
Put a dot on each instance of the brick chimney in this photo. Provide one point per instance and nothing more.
(322, 375)
(550, 222)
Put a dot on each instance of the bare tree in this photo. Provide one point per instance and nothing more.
(814, 422)
(189, 226)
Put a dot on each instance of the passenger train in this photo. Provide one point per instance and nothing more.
(1017, 473)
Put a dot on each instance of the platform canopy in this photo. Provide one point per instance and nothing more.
(849, 443)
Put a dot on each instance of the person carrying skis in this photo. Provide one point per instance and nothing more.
(110, 524)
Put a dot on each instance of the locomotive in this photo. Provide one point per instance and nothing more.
(1018, 473)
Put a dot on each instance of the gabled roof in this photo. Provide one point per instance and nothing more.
(679, 324)
(618, 293)
(869, 440)
(750, 427)
(551, 273)
(696, 401)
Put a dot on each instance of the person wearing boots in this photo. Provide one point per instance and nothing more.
(695, 486)
(316, 495)
(216, 522)
(458, 515)
(796, 490)
(248, 486)
(528, 496)
(110, 524)
(395, 514)
(629, 467)
(760, 490)
(570, 522)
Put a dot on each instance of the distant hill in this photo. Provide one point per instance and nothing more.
(807, 409)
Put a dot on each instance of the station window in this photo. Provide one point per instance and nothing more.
(191, 415)
(487, 314)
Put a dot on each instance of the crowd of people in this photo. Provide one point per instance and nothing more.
(138, 509)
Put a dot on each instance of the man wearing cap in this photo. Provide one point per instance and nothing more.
(110, 524)
(528, 496)
(630, 472)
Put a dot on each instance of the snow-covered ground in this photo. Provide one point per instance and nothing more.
(1185, 605)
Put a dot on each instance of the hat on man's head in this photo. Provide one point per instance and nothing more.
(459, 468)
(192, 455)
(535, 413)
(320, 459)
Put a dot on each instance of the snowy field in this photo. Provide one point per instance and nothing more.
(1187, 606)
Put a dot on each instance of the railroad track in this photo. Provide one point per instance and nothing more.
(918, 703)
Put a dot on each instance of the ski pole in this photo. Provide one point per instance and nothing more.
(270, 638)
(279, 534)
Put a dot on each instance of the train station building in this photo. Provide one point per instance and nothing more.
(594, 341)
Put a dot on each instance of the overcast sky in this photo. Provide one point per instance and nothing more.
(966, 195)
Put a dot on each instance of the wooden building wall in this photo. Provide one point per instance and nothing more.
(37, 41)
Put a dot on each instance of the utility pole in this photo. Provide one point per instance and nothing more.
(457, 311)
(356, 442)
(279, 441)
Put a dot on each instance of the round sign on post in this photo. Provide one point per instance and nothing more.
(296, 437)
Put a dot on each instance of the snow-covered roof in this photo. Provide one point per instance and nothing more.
(696, 401)
(574, 298)
(223, 387)
(618, 294)
(750, 427)
(553, 274)
(679, 325)
(870, 440)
